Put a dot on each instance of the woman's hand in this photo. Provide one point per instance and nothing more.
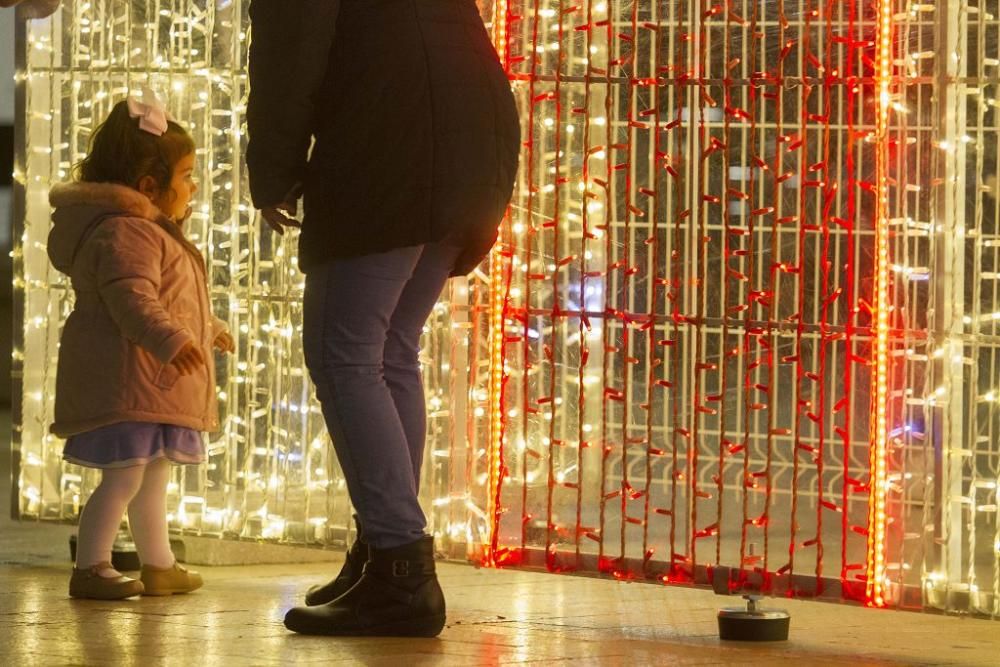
(225, 343)
(188, 359)
(276, 215)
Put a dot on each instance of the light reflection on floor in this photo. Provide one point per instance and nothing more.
(494, 618)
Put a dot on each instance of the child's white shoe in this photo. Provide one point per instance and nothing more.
(168, 581)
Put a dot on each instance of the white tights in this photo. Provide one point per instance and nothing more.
(142, 489)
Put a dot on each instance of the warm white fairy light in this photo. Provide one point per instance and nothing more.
(272, 453)
(952, 377)
(270, 472)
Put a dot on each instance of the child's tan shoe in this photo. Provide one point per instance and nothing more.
(167, 581)
(87, 583)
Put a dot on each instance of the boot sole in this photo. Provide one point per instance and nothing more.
(428, 626)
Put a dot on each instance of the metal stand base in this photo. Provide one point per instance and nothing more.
(753, 624)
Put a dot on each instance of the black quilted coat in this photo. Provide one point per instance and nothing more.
(415, 127)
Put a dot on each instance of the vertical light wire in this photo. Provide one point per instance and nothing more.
(875, 587)
(496, 346)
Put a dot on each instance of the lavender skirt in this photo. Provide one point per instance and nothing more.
(134, 443)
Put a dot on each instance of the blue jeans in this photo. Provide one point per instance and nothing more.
(362, 321)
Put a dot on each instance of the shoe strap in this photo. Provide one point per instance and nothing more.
(96, 569)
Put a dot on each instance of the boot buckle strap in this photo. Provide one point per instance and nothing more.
(411, 568)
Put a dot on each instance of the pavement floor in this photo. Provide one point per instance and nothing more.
(495, 617)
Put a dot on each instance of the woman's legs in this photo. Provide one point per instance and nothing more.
(102, 516)
(362, 322)
(147, 516)
(347, 307)
(402, 345)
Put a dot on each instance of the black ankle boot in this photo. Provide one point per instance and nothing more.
(349, 575)
(398, 596)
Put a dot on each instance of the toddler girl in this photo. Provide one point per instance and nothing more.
(135, 385)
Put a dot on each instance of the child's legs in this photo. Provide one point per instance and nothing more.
(102, 515)
(147, 516)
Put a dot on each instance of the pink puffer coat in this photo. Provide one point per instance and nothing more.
(141, 295)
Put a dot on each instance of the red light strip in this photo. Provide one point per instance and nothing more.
(875, 588)
(499, 284)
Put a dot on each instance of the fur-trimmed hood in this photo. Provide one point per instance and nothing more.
(111, 196)
(78, 206)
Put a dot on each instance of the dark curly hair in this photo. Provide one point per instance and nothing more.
(122, 153)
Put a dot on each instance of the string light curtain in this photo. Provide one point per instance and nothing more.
(742, 328)
(271, 473)
(750, 300)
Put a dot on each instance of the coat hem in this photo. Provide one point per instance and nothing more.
(66, 429)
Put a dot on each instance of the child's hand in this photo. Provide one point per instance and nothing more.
(188, 359)
(225, 343)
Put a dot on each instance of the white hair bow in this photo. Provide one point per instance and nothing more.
(150, 111)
